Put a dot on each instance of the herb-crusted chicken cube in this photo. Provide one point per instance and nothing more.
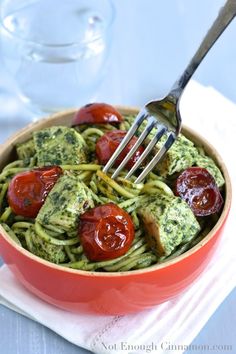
(180, 156)
(68, 199)
(168, 222)
(59, 145)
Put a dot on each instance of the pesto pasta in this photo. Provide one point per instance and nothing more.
(81, 186)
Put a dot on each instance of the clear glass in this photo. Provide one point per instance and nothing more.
(57, 51)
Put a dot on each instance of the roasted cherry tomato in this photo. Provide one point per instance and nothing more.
(108, 143)
(198, 188)
(106, 232)
(97, 113)
(28, 190)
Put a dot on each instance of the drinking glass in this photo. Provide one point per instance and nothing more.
(56, 50)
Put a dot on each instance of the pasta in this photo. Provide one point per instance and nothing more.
(63, 247)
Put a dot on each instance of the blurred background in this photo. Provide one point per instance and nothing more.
(152, 43)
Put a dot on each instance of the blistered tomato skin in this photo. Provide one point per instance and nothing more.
(198, 188)
(109, 142)
(28, 190)
(97, 113)
(106, 232)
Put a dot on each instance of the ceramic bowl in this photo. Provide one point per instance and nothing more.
(109, 293)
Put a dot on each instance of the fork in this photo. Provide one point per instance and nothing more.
(164, 115)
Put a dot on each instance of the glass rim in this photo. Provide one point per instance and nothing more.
(68, 44)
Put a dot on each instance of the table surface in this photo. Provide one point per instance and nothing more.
(145, 40)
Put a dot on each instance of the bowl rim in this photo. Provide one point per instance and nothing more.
(10, 142)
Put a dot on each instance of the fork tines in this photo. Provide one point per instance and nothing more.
(152, 123)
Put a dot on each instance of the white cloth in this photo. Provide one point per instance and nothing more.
(175, 322)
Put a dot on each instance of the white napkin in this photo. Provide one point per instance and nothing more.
(175, 322)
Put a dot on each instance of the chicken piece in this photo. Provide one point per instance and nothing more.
(68, 199)
(180, 156)
(168, 222)
(59, 145)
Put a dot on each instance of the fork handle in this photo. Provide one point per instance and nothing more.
(225, 16)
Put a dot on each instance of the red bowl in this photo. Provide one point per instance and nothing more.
(109, 293)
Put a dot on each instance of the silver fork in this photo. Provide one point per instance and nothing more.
(164, 114)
